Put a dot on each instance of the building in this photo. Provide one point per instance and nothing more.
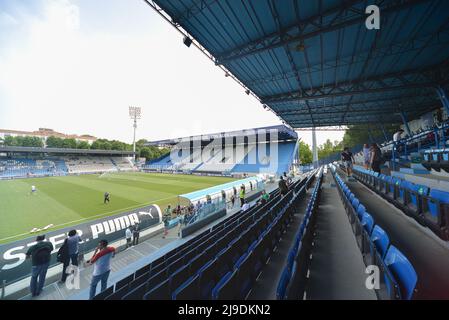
(44, 133)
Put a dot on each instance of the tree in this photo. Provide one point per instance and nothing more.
(82, 145)
(305, 154)
(54, 142)
(69, 144)
(359, 134)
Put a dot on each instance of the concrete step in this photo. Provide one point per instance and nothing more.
(413, 171)
(417, 166)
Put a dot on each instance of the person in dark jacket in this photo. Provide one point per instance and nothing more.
(376, 158)
(136, 234)
(283, 186)
(40, 255)
(69, 252)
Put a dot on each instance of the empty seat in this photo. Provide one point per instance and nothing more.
(403, 271)
(160, 292)
(380, 240)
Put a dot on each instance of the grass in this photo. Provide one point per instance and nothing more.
(70, 200)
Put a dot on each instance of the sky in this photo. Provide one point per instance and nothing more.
(76, 65)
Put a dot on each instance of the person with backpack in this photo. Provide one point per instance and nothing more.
(376, 158)
(40, 255)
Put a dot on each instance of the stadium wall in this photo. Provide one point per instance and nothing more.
(13, 263)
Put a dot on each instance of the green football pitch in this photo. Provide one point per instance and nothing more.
(70, 200)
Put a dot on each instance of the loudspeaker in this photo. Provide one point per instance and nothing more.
(187, 41)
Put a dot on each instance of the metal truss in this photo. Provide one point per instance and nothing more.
(352, 12)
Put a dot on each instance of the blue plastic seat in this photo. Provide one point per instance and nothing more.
(403, 271)
(441, 196)
(361, 211)
(355, 203)
(367, 222)
(380, 239)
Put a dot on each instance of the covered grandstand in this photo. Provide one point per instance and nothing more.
(26, 162)
(270, 150)
(315, 64)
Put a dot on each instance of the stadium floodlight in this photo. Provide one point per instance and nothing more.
(135, 113)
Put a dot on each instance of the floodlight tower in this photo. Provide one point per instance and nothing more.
(135, 113)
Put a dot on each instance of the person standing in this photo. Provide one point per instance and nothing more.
(106, 197)
(165, 220)
(283, 186)
(347, 158)
(72, 243)
(397, 139)
(366, 156)
(376, 158)
(102, 266)
(232, 201)
(242, 195)
(40, 255)
(136, 234)
(128, 236)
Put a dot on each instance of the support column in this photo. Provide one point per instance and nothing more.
(314, 149)
(383, 131)
(404, 119)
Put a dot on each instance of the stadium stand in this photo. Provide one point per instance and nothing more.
(229, 157)
(220, 263)
(22, 167)
(430, 207)
(398, 277)
(35, 167)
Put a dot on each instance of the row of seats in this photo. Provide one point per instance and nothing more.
(430, 207)
(220, 262)
(292, 282)
(240, 159)
(22, 167)
(436, 159)
(397, 278)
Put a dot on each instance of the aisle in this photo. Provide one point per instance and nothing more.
(337, 270)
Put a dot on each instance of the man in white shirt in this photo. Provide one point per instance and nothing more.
(398, 135)
(128, 236)
(245, 206)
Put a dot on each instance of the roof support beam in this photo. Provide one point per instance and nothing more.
(391, 81)
(330, 20)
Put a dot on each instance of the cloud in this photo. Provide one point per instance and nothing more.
(7, 20)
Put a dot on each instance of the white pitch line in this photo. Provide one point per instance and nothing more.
(91, 218)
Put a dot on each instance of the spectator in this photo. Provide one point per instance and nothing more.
(165, 220)
(40, 255)
(398, 135)
(265, 197)
(136, 234)
(347, 158)
(242, 195)
(283, 186)
(376, 158)
(245, 206)
(128, 236)
(366, 156)
(73, 241)
(102, 266)
(232, 201)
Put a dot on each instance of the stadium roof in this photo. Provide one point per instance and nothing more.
(65, 151)
(284, 133)
(314, 63)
